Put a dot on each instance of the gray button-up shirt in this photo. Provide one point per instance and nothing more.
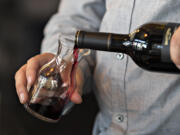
(132, 101)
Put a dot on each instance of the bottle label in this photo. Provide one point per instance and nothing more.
(168, 33)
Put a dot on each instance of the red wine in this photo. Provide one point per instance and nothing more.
(52, 111)
(148, 45)
(52, 90)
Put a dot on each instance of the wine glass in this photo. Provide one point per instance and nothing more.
(49, 97)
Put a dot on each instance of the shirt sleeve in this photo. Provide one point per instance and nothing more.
(74, 15)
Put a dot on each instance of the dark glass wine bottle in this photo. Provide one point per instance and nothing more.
(148, 45)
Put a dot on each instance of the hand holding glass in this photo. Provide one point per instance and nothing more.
(49, 98)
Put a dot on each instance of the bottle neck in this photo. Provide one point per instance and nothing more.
(103, 41)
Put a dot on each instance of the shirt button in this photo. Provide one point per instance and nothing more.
(119, 56)
(120, 118)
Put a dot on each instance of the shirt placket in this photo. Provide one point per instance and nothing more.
(118, 92)
(119, 100)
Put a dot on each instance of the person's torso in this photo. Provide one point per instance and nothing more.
(134, 101)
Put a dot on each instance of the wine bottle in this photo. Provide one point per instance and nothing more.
(148, 46)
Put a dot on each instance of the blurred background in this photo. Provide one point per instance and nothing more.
(21, 31)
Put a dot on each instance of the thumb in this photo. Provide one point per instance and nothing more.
(76, 97)
(175, 48)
